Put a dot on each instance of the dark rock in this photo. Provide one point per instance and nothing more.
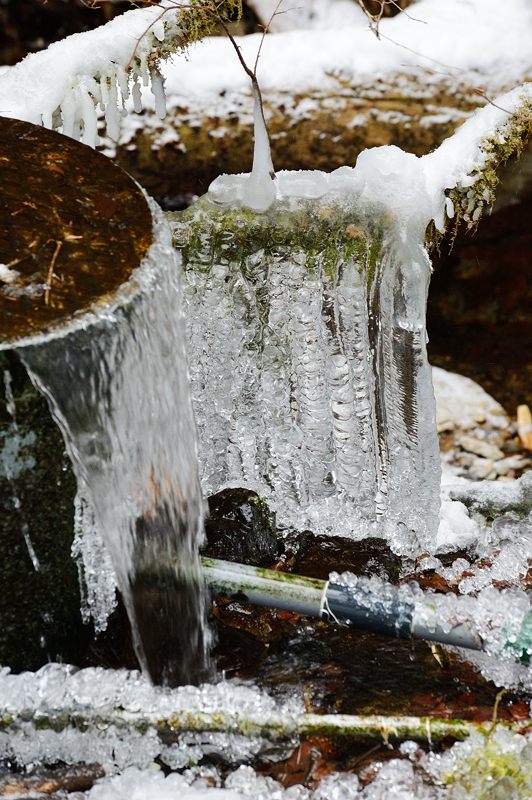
(240, 528)
(320, 555)
(39, 603)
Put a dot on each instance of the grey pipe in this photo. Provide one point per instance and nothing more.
(387, 612)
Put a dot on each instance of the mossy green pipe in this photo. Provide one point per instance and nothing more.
(378, 607)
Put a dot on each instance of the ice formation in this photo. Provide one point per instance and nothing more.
(306, 345)
(306, 333)
(73, 82)
(117, 384)
(91, 698)
(121, 712)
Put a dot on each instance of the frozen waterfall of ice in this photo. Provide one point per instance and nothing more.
(307, 352)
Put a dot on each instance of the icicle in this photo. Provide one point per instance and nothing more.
(104, 91)
(144, 72)
(68, 114)
(260, 191)
(88, 115)
(123, 81)
(158, 30)
(449, 207)
(136, 94)
(157, 88)
(111, 112)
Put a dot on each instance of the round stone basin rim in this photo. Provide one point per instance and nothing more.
(73, 229)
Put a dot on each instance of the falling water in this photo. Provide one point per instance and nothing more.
(310, 381)
(116, 381)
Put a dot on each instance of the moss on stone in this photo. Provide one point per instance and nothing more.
(328, 235)
(470, 202)
(39, 602)
(490, 772)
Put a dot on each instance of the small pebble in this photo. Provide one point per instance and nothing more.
(480, 448)
(482, 469)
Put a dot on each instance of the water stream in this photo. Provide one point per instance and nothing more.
(116, 381)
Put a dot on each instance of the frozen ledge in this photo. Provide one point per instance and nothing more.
(406, 185)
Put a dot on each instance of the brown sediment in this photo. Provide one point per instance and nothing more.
(73, 227)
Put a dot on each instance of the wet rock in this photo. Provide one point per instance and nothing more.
(319, 555)
(39, 603)
(492, 498)
(241, 528)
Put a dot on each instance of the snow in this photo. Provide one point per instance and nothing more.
(456, 529)
(461, 403)
(84, 69)
(479, 41)
(313, 14)
(136, 784)
(410, 188)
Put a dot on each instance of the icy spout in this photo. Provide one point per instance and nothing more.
(306, 341)
(259, 190)
(116, 381)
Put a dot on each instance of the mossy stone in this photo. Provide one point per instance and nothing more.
(40, 616)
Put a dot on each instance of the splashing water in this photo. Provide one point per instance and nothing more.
(116, 382)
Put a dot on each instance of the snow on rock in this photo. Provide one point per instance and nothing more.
(462, 403)
(495, 496)
(311, 15)
(386, 179)
(99, 67)
(476, 41)
(456, 529)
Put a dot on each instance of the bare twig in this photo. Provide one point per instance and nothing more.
(266, 30)
(58, 246)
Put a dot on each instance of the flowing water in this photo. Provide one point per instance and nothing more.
(116, 381)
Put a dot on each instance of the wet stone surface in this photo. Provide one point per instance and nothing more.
(73, 226)
(341, 670)
(240, 528)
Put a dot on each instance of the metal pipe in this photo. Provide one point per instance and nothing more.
(385, 609)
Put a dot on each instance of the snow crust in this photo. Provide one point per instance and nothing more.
(477, 40)
(73, 76)
(410, 188)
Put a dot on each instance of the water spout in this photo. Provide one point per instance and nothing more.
(116, 381)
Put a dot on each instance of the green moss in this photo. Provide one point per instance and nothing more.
(328, 237)
(197, 19)
(490, 772)
(470, 202)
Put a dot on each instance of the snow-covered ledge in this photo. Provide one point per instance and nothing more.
(328, 92)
